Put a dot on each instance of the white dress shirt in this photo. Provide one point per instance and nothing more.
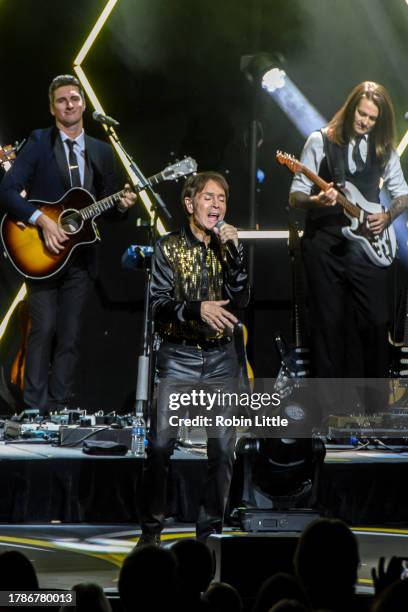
(313, 153)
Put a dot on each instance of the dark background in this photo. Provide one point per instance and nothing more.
(169, 71)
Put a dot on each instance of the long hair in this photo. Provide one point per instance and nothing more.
(340, 128)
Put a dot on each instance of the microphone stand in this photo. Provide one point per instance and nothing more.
(145, 361)
(143, 182)
(145, 366)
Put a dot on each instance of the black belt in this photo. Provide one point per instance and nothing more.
(200, 343)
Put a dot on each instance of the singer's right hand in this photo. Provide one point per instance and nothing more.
(213, 313)
(227, 232)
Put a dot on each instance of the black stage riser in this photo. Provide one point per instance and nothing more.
(79, 489)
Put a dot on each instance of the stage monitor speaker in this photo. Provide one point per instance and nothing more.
(246, 560)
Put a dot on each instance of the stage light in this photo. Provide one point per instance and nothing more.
(280, 476)
(273, 79)
(268, 72)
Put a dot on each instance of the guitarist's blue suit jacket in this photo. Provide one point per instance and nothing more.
(41, 170)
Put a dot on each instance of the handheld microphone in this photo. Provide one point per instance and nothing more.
(109, 121)
(229, 245)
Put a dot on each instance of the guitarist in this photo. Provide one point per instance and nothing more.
(54, 160)
(356, 146)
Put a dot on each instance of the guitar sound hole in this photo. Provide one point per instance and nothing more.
(71, 221)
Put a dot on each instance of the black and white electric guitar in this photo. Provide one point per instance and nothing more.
(379, 248)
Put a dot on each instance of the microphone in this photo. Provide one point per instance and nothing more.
(229, 245)
(109, 121)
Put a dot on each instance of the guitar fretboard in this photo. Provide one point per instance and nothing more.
(351, 208)
(102, 206)
(107, 203)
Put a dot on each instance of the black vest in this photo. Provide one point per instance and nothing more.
(334, 168)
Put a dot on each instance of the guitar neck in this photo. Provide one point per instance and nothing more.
(102, 206)
(179, 169)
(107, 203)
(165, 175)
(351, 208)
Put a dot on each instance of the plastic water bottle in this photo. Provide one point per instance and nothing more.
(138, 436)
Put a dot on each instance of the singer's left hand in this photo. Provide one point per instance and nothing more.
(128, 200)
(227, 232)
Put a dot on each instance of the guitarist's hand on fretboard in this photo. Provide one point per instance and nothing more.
(54, 236)
(128, 199)
(325, 198)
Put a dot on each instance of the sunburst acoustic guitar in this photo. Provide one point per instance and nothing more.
(75, 212)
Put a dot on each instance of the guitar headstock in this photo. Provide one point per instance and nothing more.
(290, 161)
(7, 154)
(185, 166)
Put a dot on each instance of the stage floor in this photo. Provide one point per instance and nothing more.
(75, 516)
(64, 555)
(42, 483)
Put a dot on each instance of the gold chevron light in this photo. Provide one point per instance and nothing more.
(22, 292)
(86, 47)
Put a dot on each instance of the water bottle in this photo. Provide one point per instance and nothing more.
(138, 436)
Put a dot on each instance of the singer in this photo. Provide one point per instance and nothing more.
(52, 161)
(195, 283)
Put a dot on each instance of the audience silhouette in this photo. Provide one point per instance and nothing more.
(222, 597)
(178, 579)
(277, 587)
(326, 563)
(195, 570)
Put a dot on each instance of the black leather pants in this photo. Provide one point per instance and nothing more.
(190, 365)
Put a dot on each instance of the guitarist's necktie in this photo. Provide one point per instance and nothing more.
(358, 160)
(73, 164)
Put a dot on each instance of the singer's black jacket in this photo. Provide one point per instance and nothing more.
(185, 273)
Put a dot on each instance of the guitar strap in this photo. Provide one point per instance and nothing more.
(335, 160)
